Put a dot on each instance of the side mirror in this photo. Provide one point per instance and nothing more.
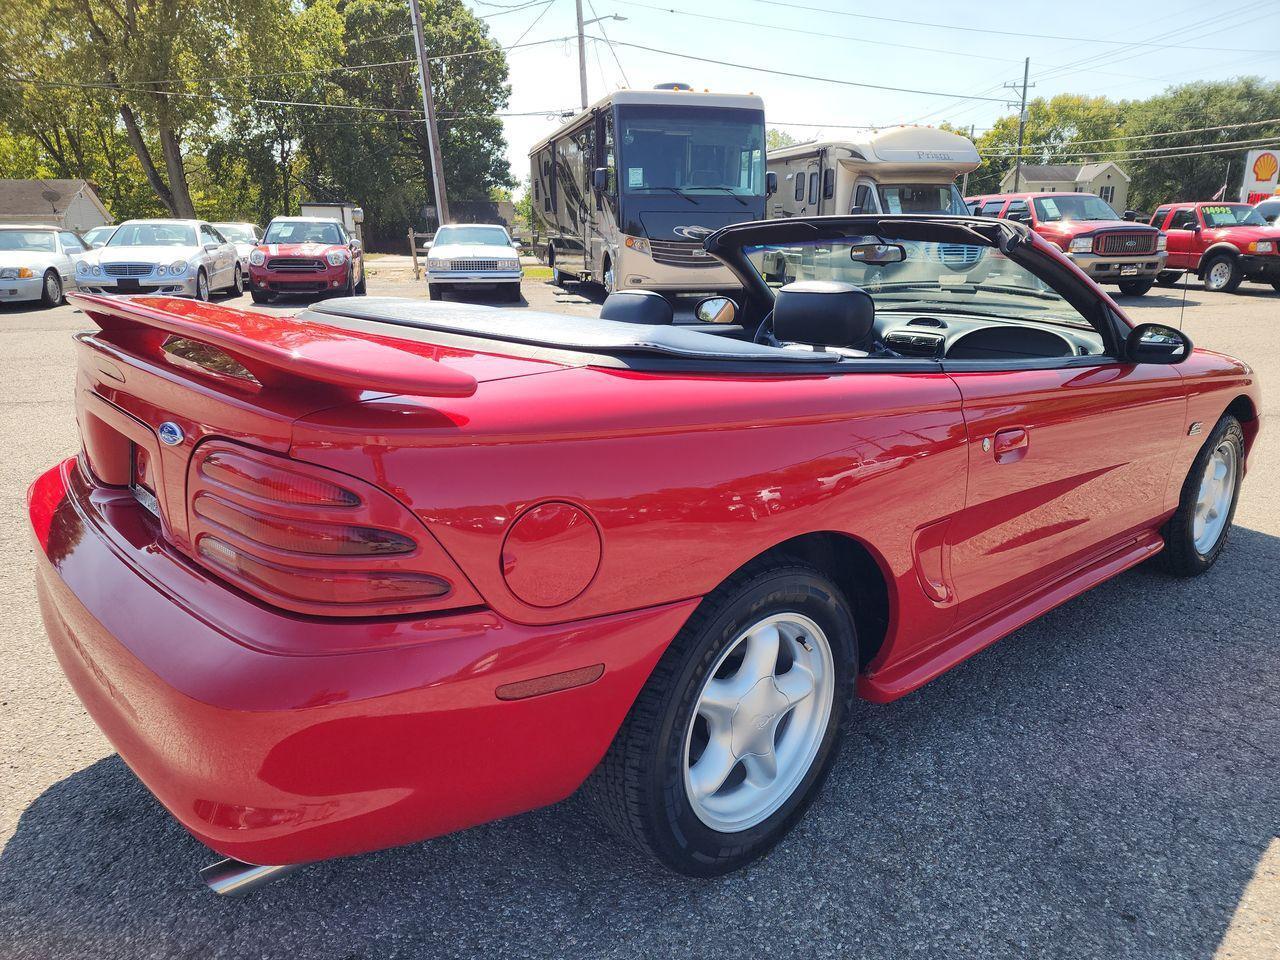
(1156, 343)
(210, 247)
(770, 184)
(600, 179)
(716, 310)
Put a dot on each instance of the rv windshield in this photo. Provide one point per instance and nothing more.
(922, 198)
(692, 150)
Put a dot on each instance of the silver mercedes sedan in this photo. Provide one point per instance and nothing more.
(187, 258)
(37, 263)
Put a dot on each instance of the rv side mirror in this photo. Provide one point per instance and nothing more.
(770, 184)
(600, 179)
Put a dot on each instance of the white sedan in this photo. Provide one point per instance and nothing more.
(37, 263)
(245, 236)
(473, 256)
(187, 258)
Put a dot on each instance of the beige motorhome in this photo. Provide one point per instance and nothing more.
(898, 170)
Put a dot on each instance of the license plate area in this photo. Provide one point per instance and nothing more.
(1129, 271)
(142, 479)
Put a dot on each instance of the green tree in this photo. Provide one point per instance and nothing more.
(775, 139)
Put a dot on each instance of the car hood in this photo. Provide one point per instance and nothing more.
(472, 251)
(1076, 228)
(157, 254)
(310, 250)
(25, 258)
(244, 249)
(690, 224)
(1242, 234)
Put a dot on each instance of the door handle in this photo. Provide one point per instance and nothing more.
(1011, 445)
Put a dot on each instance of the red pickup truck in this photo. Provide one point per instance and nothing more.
(1221, 243)
(1107, 248)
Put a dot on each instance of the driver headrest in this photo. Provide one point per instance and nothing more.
(637, 306)
(823, 312)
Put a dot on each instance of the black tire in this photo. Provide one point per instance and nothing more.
(608, 281)
(51, 292)
(1135, 288)
(1180, 556)
(202, 286)
(1168, 278)
(512, 293)
(639, 788)
(434, 292)
(261, 296)
(362, 287)
(1232, 274)
(1275, 285)
(237, 284)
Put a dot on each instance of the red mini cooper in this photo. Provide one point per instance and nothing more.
(391, 568)
(306, 255)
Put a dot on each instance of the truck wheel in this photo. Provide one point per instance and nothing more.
(433, 291)
(730, 739)
(1135, 288)
(1197, 532)
(1167, 278)
(1222, 274)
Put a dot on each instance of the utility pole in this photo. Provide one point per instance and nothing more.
(582, 57)
(429, 110)
(964, 183)
(1022, 123)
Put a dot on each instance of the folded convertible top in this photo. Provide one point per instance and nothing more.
(556, 331)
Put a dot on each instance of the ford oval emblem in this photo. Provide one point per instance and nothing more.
(171, 433)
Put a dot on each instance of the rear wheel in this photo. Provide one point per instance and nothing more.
(237, 283)
(1135, 288)
(1197, 532)
(1167, 278)
(1275, 285)
(732, 736)
(51, 294)
(1222, 274)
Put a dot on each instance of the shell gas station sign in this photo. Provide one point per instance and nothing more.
(1261, 176)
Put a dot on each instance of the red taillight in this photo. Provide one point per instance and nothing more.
(310, 540)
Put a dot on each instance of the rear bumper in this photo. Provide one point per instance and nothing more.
(1103, 269)
(282, 739)
(287, 281)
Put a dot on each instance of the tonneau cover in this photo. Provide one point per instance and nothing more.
(586, 334)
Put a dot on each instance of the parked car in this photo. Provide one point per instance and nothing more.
(473, 256)
(392, 568)
(1269, 210)
(1089, 231)
(306, 255)
(1223, 244)
(96, 237)
(245, 236)
(185, 258)
(37, 263)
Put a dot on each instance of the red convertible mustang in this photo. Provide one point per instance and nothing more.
(394, 568)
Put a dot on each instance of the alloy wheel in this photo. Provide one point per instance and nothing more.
(1213, 503)
(53, 288)
(758, 722)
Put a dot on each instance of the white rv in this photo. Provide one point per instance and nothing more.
(625, 192)
(898, 170)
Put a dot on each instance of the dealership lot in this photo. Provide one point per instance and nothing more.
(1100, 783)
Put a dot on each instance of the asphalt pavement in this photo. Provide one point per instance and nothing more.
(1102, 783)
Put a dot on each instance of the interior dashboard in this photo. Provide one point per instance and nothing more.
(920, 334)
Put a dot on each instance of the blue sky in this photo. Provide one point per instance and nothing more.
(827, 42)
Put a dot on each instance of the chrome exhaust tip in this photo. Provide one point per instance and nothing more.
(235, 878)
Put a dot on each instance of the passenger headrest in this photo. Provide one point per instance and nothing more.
(637, 306)
(823, 312)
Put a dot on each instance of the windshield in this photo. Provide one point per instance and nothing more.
(237, 232)
(153, 235)
(921, 198)
(1232, 215)
(40, 241)
(1073, 206)
(302, 231)
(935, 277)
(692, 150)
(473, 236)
(97, 234)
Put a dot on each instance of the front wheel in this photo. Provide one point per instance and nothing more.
(1167, 278)
(1135, 288)
(202, 286)
(735, 730)
(434, 292)
(1275, 285)
(513, 293)
(1197, 532)
(1222, 274)
(51, 294)
(363, 286)
(261, 296)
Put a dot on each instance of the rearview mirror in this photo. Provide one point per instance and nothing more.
(716, 310)
(770, 184)
(1156, 343)
(877, 253)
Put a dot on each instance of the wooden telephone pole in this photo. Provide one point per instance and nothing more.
(429, 110)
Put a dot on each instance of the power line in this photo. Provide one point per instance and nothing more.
(604, 33)
(1149, 136)
(1004, 33)
(1171, 151)
(798, 76)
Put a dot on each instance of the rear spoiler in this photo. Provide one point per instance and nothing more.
(281, 351)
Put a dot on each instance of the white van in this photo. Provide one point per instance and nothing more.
(898, 170)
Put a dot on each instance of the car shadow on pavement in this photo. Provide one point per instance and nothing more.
(1100, 784)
